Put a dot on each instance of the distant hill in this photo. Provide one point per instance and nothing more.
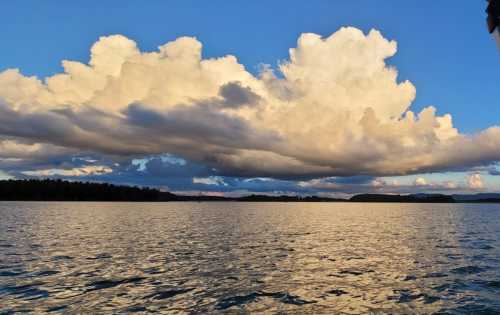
(483, 197)
(420, 198)
(59, 190)
(284, 198)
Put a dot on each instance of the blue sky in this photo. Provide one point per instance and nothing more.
(443, 49)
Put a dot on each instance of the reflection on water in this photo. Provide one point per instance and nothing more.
(249, 257)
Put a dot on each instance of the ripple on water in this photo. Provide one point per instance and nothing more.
(45, 273)
(495, 284)
(473, 309)
(410, 278)
(101, 256)
(467, 270)
(136, 309)
(209, 258)
(337, 292)
(62, 257)
(29, 291)
(56, 308)
(241, 300)
(161, 295)
(405, 296)
(436, 275)
(110, 283)
(354, 272)
(12, 273)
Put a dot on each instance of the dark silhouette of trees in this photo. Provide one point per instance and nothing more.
(284, 198)
(403, 198)
(60, 190)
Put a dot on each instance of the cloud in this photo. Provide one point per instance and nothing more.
(419, 185)
(4, 175)
(74, 172)
(17, 149)
(321, 184)
(334, 109)
(383, 185)
(236, 95)
(212, 180)
(493, 170)
(475, 181)
(420, 181)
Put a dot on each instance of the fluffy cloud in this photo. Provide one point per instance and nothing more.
(335, 109)
(381, 185)
(212, 180)
(14, 149)
(320, 184)
(420, 184)
(74, 172)
(475, 181)
(420, 181)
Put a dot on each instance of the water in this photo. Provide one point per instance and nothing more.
(237, 258)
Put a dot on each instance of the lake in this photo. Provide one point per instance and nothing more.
(237, 258)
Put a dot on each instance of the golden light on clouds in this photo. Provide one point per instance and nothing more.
(336, 109)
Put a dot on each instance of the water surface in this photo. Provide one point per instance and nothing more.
(237, 258)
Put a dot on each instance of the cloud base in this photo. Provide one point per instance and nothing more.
(335, 108)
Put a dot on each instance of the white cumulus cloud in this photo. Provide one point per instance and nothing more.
(475, 181)
(335, 109)
(420, 181)
(76, 172)
(212, 180)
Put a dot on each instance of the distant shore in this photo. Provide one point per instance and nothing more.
(59, 190)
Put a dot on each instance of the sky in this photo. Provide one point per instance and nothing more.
(277, 97)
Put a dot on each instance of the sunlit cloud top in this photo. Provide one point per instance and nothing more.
(333, 109)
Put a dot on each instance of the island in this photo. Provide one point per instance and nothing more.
(61, 190)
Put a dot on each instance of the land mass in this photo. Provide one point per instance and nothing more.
(60, 190)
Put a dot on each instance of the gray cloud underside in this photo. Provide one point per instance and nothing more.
(336, 109)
